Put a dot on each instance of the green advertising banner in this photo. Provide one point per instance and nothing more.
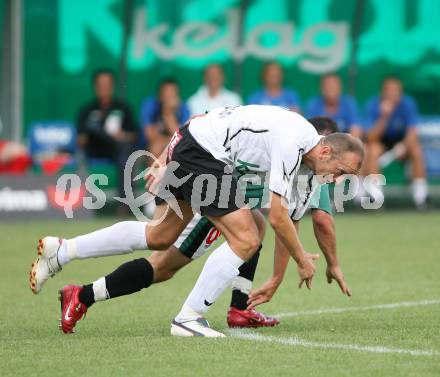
(65, 40)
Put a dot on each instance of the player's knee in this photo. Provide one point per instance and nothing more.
(247, 245)
(163, 273)
(158, 241)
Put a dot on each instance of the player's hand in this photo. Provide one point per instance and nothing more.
(153, 177)
(335, 273)
(263, 294)
(306, 269)
(155, 172)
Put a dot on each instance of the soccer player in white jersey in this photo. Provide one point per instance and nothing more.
(277, 140)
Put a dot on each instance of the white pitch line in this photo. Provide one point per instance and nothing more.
(359, 308)
(245, 334)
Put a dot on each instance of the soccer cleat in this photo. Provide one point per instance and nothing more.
(197, 327)
(249, 318)
(72, 309)
(46, 265)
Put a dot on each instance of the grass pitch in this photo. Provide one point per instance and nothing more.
(386, 257)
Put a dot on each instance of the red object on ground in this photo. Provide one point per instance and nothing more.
(249, 318)
(72, 310)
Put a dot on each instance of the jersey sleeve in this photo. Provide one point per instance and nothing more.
(283, 164)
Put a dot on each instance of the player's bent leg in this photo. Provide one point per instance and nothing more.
(223, 264)
(238, 315)
(240, 230)
(128, 278)
(54, 252)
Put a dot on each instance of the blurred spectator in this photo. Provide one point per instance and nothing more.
(160, 117)
(106, 128)
(212, 94)
(273, 92)
(14, 158)
(342, 108)
(391, 120)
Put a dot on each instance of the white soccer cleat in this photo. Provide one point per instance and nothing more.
(197, 327)
(46, 265)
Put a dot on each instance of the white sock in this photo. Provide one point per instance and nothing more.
(120, 238)
(242, 284)
(100, 290)
(218, 273)
(420, 190)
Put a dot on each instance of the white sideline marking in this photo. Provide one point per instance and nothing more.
(361, 308)
(247, 335)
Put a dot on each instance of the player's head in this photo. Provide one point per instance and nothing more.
(331, 87)
(214, 76)
(272, 74)
(336, 155)
(103, 82)
(324, 125)
(392, 89)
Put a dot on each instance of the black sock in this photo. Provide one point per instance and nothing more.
(128, 278)
(247, 271)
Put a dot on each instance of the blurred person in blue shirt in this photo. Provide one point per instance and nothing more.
(161, 116)
(342, 108)
(391, 121)
(273, 92)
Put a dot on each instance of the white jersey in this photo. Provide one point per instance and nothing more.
(304, 186)
(258, 139)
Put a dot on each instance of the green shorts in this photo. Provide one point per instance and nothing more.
(321, 200)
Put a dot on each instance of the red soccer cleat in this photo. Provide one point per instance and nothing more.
(72, 310)
(249, 318)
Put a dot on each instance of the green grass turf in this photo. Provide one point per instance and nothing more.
(386, 257)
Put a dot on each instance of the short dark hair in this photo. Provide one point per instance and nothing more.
(341, 143)
(103, 71)
(324, 125)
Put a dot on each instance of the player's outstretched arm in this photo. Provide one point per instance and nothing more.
(285, 230)
(324, 228)
(265, 293)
